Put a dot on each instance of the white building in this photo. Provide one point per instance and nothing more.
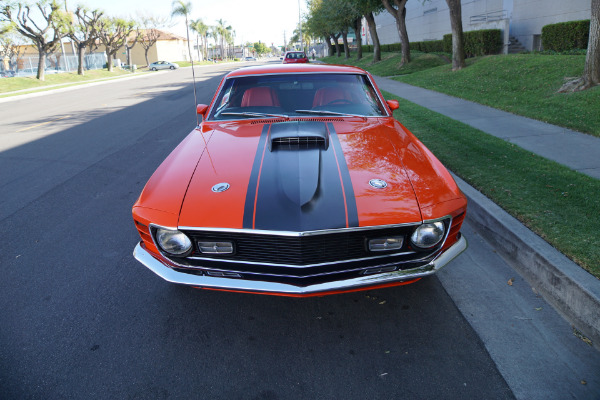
(521, 19)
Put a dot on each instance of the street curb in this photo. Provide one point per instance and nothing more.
(572, 291)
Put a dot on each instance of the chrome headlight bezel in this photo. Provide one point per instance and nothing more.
(172, 242)
(430, 234)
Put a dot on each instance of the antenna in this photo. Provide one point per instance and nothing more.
(187, 31)
(195, 99)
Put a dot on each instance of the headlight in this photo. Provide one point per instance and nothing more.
(428, 235)
(173, 242)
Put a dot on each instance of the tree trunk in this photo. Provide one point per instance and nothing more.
(591, 74)
(399, 15)
(458, 51)
(146, 56)
(330, 49)
(357, 31)
(336, 45)
(346, 47)
(198, 47)
(109, 62)
(373, 31)
(404, 39)
(80, 50)
(41, 65)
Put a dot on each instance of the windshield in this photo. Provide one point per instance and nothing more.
(291, 95)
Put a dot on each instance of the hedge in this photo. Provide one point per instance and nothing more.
(477, 43)
(566, 35)
(428, 46)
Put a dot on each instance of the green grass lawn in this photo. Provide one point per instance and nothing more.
(524, 84)
(560, 205)
(30, 82)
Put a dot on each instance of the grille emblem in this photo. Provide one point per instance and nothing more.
(220, 187)
(378, 183)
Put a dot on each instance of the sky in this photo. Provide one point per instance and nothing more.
(264, 20)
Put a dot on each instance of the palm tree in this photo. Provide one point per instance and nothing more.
(223, 32)
(183, 9)
(201, 30)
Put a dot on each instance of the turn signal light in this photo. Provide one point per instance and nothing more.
(386, 244)
(215, 247)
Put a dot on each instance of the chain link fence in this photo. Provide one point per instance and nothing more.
(55, 63)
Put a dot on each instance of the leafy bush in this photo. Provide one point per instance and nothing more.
(429, 46)
(566, 35)
(447, 43)
(483, 42)
(478, 43)
(391, 48)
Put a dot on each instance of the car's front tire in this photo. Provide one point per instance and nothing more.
(172, 67)
(153, 68)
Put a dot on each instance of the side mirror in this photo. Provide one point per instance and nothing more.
(201, 109)
(393, 104)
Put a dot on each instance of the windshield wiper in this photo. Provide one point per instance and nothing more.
(255, 115)
(323, 112)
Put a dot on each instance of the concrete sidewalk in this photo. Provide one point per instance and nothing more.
(577, 151)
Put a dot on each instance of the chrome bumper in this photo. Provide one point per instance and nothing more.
(204, 281)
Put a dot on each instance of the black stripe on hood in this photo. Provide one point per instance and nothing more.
(300, 187)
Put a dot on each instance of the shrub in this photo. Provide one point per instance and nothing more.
(566, 35)
(483, 42)
(428, 46)
(478, 43)
(447, 43)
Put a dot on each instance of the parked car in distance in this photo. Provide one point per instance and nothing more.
(299, 182)
(250, 58)
(292, 57)
(155, 66)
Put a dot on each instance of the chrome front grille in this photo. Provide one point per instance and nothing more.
(301, 251)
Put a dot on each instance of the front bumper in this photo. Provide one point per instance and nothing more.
(231, 284)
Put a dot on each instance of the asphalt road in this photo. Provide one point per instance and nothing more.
(80, 318)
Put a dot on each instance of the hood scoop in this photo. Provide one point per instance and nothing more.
(298, 135)
(296, 147)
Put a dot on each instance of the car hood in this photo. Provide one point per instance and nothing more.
(309, 175)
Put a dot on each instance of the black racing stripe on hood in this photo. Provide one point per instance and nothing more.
(248, 222)
(299, 189)
(346, 181)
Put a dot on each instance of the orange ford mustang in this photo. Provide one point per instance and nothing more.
(299, 182)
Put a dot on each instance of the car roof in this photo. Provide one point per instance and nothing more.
(295, 68)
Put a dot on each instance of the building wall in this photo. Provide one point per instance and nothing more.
(530, 16)
(137, 55)
(163, 50)
(430, 20)
(172, 50)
